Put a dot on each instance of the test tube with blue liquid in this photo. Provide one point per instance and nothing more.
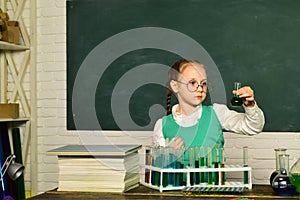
(165, 161)
(153, 160)
(156, 162)
(179, 165)
(172, 165)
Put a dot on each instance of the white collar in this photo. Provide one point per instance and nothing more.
(196, 114)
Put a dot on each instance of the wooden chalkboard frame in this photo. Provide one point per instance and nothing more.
(255, 42)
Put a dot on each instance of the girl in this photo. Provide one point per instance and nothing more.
(190, 123)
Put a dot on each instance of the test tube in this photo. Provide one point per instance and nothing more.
(216, 165)
(197, 163)
(158, 163)
(172, 164)
(147, 162)
(202, 163)
(245, 163)
(177, 166)
(222, 165)
(209, 164)
(181, 166)
(165, 159)
(153, 160)
(191, 163)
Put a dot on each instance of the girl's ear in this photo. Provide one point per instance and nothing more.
(174, 86)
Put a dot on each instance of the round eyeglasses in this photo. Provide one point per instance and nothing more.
(193, 85)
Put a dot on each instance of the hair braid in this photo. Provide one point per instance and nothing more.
(169, 96)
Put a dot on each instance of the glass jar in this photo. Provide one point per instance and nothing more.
(295, 173)
(282, 183)
(278, 152)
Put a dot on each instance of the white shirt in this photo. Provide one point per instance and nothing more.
(249, 123)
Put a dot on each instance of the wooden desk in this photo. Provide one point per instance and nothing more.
(262, 192)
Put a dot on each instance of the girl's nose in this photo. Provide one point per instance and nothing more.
(199, 88)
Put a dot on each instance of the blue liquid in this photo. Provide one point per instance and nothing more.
(169, 178)
(282, 184)
(179, 176)
(288, 191)
(153, 175)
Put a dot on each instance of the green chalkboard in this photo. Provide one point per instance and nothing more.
(118, 53)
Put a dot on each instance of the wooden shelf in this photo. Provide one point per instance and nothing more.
(11, 46)
(14, 120)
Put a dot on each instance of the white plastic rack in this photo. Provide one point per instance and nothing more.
(188, 171)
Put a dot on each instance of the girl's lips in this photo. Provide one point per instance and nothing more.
(198, 97)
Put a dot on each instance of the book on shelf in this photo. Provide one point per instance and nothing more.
(98, 168)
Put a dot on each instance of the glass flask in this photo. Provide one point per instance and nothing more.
(295, 173)
(278, 152)
(281, 184)
(236, 101)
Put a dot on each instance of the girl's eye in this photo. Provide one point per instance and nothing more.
(193, 82)
(204, 83)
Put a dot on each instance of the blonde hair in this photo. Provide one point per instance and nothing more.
(177, 68)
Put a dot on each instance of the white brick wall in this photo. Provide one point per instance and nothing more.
(261, 151)
(51, 102)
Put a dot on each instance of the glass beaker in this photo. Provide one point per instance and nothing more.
(236, 100)
(278, 152)
(295, 173)
(282, 183)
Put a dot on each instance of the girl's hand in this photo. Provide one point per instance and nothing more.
(177, 143)
(247, 94)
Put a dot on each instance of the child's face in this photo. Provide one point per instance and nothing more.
(192, 85)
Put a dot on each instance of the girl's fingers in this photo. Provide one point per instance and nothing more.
(177, 143)
(247, 94)
(245, 91)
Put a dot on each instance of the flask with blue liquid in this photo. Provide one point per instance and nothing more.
(282, 183)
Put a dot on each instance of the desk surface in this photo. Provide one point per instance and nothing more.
(262, 192)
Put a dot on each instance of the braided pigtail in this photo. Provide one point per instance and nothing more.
(173, 75)
(169, 96)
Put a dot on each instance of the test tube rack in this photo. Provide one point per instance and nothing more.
(227, 168)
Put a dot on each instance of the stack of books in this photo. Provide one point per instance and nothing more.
(98, 168)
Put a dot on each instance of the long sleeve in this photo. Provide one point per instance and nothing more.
(158, 137)
(249, 123)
